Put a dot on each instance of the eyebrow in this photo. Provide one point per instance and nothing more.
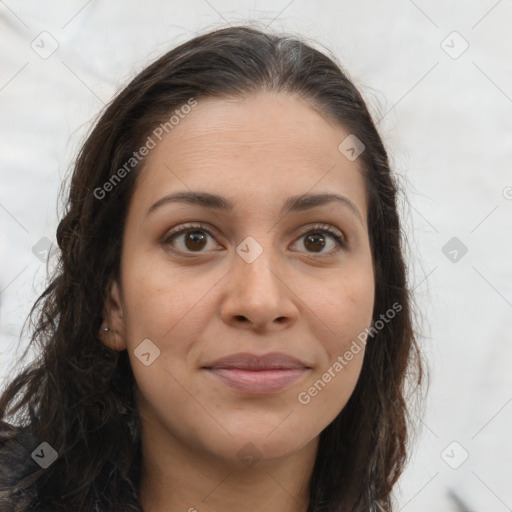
(292, 204)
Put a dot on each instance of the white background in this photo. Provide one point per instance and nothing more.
(447, 123)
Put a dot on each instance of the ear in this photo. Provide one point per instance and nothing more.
(115, 337)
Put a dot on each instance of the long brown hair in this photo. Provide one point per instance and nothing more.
(78, 395)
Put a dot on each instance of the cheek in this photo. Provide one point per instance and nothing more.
(348, 315)
(345, 308)
(328, 392)
(160, 300)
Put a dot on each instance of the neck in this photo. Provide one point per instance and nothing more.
(180, 478)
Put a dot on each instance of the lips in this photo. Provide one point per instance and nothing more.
(247, 361)
(253, 374)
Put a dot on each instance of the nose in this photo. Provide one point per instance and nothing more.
(258, 296)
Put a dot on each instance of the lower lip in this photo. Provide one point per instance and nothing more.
(256, 382)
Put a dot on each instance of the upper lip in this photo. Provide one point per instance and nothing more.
(247, 361)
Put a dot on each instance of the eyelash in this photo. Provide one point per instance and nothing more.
(318, 228)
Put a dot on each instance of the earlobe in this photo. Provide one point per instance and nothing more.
(112, 330)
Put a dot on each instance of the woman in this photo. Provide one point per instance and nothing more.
(230, 326)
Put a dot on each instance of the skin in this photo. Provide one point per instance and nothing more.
(255, 151)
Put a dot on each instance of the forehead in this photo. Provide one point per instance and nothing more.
(272, 143)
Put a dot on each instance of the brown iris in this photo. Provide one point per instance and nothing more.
(315, 242)
(195, 240)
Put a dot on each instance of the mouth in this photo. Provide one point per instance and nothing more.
(253, 374)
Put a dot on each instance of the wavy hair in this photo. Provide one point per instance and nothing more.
(78, 395)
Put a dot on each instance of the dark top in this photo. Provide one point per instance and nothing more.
(15, 458)
(16, 463)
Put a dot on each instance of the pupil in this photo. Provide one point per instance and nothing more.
(317, 241)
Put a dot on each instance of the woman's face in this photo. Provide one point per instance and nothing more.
(251, 276)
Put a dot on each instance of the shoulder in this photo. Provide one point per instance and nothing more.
(16, 463)
(16, 456)
(19, 492)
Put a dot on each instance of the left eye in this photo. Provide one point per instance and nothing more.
(316, 240)
(194, 238)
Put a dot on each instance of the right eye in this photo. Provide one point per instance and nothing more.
(189, 239)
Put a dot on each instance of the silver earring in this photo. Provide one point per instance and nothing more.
(106, 329)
